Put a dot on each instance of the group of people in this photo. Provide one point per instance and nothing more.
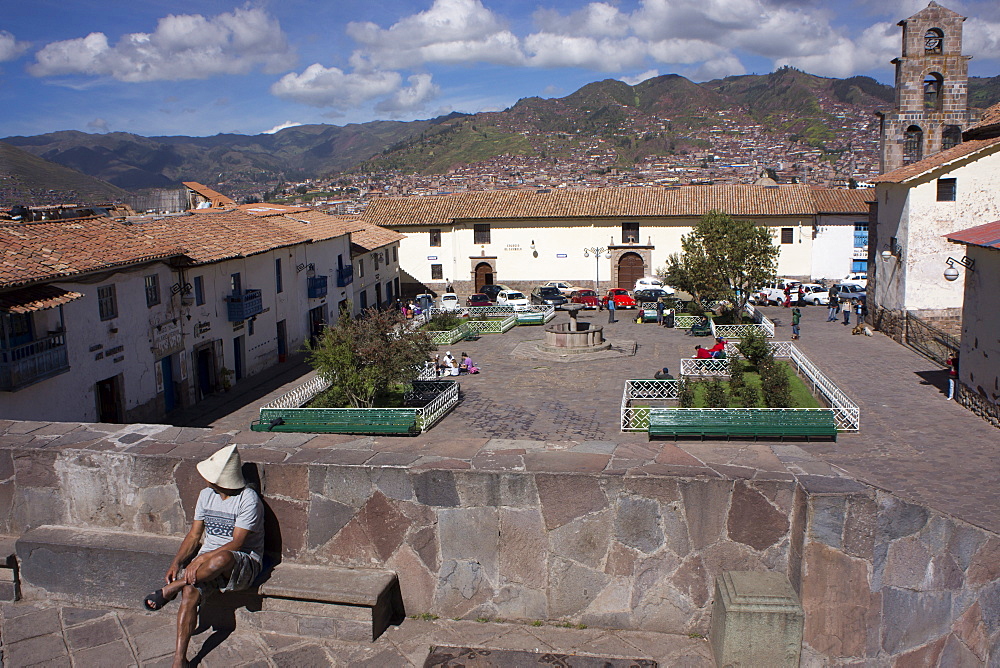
(715, 352)
(846, 305)
(446, 365)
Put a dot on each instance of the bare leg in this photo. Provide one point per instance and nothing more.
(187, 615)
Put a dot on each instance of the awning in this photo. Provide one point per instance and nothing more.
(35, 298)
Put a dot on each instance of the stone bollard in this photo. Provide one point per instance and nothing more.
(756, 620)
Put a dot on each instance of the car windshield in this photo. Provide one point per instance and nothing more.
(479, 297)
(586, 293)
(619, 292)
(515, 295)
(549, 291)
(449, 298)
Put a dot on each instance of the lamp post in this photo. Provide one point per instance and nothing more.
(597, 251)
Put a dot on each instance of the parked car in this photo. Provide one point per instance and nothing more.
(652, 283)
(513, 298)
(564, 287)
(492, 290)
(861, 278)
(621, 296)
(774, 293)
(651, 295)
(849, 291)
(548, 295)
(588, 298)
(478, 299)
(815, 294)
(449, 302)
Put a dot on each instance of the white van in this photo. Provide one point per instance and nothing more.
(652, 283)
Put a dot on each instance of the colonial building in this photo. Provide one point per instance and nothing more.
(104, 320)
(979, 367)
(917, 206)
(521, 238)
(931, 107)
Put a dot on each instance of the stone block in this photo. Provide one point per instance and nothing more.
(98, 566)
(756, 620)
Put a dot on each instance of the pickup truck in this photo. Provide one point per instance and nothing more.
(774, 293)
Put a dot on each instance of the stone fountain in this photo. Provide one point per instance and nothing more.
(574, 337)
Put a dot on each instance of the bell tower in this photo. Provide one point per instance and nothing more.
(931, 109)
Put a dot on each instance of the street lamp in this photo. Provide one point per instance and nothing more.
(597, 251)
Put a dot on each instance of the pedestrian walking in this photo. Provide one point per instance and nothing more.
(788, 296)
(796, 316)
(952, 375)
(611, 309)
(847, 312)
(659, 311)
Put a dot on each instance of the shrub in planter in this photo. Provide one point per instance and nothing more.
(736, 379)
(755, 347)
(716, 395)
(775, 386)
(443, 322)
(748, 395)
(685, 394)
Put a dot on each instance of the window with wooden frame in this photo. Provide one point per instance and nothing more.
(435, 237)
(481, 233)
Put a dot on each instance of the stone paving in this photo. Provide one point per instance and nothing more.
(53, 635)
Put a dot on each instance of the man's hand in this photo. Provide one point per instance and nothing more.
(172, 572)
(191, 572)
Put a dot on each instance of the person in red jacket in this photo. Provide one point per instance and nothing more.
(719, 349)
(702, 353)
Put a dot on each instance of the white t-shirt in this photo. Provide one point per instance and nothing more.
(221, 516)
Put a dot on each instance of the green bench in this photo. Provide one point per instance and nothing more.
(743, 423)
(533, 318)
(704, 330)
(338, 421)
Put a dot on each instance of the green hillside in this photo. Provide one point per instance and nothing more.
(27, 179)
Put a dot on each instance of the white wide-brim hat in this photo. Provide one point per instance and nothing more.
(224, 469)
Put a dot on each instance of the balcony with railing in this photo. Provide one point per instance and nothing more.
(29, 363)
(244, 304)
(317, 286)
(345, 275)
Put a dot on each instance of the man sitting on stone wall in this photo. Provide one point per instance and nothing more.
(230, 517)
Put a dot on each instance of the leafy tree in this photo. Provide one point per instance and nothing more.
(775, 385)
(756, 348)
(736, 379)
(723, 258)
(685, 394)
(748, 395)
(364, 358)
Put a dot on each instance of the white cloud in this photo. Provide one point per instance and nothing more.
(99, 125)
(598, 19)
(875, 47)
(10, 48)
(726, 66)
(451, 31)
(282, 126)
(639, 78)
(410, 98)
(188, 46)
(320, 86)
(603, 55)
(982, 38)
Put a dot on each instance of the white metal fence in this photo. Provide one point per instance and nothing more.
(693, 366)
(639, 396)
(761, 324)
(447, 396)
(300, 394)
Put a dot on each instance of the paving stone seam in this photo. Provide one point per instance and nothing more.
(128, 638)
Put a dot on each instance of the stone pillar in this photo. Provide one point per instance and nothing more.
(756, 620)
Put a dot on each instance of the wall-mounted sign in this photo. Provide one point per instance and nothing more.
(561, 255)
(432, 257)
(201, 328)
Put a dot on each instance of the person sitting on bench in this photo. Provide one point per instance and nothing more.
(719, 349)
(663, 374)
(229, 516)
(702, 353)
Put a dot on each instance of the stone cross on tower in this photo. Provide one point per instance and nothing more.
(931, 109)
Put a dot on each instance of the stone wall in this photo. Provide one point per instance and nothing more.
(879, 579)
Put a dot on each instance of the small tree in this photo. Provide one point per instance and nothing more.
(775, 385)
(736, 379)
(756, 348)
(685, 394)
(715, 394)
(748, 395)
(364, 358)
(723, 258)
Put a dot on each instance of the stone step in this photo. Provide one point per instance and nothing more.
(10, 583)
(113, 568)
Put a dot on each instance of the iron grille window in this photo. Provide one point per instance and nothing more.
(107, 302)
(437, 272)
(913, 145)
(630, 233)
(946, 190)
(481, 233)
(952, 136)
(435, 237)
(787, 235)
(152, 290)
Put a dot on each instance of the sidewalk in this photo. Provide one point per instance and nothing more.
(64, 635)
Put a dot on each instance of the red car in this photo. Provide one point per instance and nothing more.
(588, 298)
(478, 299)
(621, 296)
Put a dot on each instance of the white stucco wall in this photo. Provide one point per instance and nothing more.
(979, 367)
(833, 247)
(559, 248)
(912, 213)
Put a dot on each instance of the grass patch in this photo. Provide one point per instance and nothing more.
(802, 397)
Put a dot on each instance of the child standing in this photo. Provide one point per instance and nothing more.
(796, 316)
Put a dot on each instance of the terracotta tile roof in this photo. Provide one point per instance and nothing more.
(740, 201)
(988, 125)
(987, 236)
(268, 209)
(213, 196)
(372, 236)
(35, 298)
(212, 237)
(843, 200)
(317, 226)
(34, 252)
(943, 158)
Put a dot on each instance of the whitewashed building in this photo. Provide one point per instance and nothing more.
(108, 320)
(522, 238)
(979, 367)
(917, 206)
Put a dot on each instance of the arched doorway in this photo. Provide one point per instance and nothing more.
(484, 275)
(630, 269)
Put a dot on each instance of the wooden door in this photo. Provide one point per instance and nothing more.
(484, 275)
(630, 269)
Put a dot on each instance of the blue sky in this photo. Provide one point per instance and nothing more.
(201, 67)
